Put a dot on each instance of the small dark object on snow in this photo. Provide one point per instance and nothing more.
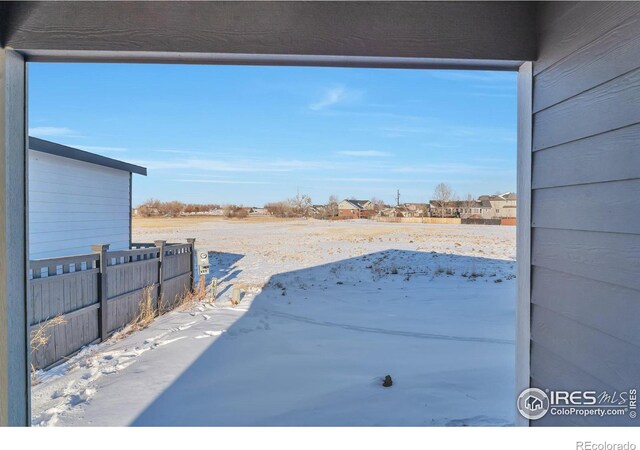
(388, 382)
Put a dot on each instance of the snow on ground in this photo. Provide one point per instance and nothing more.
(328, 309)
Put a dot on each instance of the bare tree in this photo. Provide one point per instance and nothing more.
(468, 204)
(173, 208)
(235, 211)
(301, 205)
(378, 205)
(149, 208)
(298, 206)
(332, 206)
(442, 195)
(153, 207)
(278, 209)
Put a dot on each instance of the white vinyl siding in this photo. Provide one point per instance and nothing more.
(75, 204)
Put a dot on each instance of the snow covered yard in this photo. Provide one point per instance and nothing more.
(329, 309)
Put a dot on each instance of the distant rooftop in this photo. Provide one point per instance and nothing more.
(357, 203)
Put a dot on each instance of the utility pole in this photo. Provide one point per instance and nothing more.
(398, 198)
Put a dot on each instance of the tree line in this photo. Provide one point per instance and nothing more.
(298, 206)
(175, 208)
(154, 207)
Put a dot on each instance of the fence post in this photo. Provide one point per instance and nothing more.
(161, 245)
(103, 263)
(192, 265)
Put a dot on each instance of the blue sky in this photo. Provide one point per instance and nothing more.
(250, 135)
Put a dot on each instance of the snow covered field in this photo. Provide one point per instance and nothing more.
(328, 309)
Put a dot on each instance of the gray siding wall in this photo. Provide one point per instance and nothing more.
(585, 255)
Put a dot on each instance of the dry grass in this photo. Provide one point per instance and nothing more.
(177, 222)
(188, 300)
(169, 222)
(40, 337)
(146, 313)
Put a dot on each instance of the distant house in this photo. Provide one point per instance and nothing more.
(356, 209)
(499, 206)
(416, 209)
(394, 211)
(400, 211)
(254, 211)
(486, 207)
(461, 209)
(217, 212)
(387, 211)
(77, 199)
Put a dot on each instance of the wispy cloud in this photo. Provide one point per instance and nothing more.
(53, 132)
(221, 172)
(200, 164)
(100, 149)
(494, 94)
(216, 181)
(453, 132)
(182, 152)
(363, 153)
(296, 164)
(404, 130)
(369, 180)
(368, 113)
(485, 134)
(331, 97)
(492, 160)
(239, 166)
(463, 169)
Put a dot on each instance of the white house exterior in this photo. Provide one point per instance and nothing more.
(77, 199)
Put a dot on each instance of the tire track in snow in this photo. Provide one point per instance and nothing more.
(413, 334)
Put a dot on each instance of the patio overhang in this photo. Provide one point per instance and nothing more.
(493, 35)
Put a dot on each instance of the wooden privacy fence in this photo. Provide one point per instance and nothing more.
(98, 293)
(481, 221)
